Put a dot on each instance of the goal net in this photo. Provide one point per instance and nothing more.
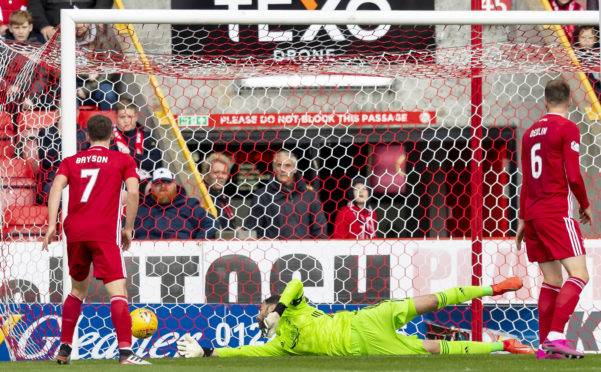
(293, 112)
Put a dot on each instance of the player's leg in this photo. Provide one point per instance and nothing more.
(109, 265)
(473, 347)
(79, 259)
(458, 295)
(71, 311)
(565, 304)
(552, 281)
(122, 320)
(562, 241)
(538, 235)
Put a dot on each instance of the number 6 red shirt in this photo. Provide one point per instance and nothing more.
(551, 169)
(95, 178)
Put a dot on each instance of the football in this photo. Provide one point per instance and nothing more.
(144, 323)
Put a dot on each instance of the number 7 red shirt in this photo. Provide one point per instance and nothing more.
(551, 169)
(95, 178)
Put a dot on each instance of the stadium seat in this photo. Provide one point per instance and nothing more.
(17, 186)
(7, 148)
(23, 221)
(30, 153)
(5, 121)
(15, 168)
(7, 133)
(85, 115)
(30, 122)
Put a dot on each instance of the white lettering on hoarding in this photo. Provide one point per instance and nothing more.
(106, 347)
(165, 340)
(265, 35)
(24, 341)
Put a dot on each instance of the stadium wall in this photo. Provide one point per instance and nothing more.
(211, 288)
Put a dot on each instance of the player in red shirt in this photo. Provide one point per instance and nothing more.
(550, 176)
(93, 229)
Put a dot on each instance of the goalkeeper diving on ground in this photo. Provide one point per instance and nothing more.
(301, 329)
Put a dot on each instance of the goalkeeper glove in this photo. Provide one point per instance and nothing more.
(189, 348)
(271, 321)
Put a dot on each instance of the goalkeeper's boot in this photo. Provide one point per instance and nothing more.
(561, 347)
(514, 347)
(63, 356)
(128, 357)
(507, 285)
(541, 354)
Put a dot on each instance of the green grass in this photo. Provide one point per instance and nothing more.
(495, 362)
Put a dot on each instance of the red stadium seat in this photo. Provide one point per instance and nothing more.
(30, 122)
(7, 148)
(25, 221)
(15, 168)
(5, 121)
(7, 133)
(85, 115)
(18, 191)
(30, 153)
(17, 186)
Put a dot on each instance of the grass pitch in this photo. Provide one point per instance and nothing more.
(449, 363)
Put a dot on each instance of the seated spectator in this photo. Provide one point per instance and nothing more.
(131, 137)
(20, 28)
(286, 208)
(356, 220)
(7, 7)
(566, 5)
(216, 173)
(47, 14)
(49, 153)
(586, 46)
(17, 93)
(167, 213)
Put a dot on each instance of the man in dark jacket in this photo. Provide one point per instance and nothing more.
(286, 208)
(47, 13)
(167, 213)
(130, 137)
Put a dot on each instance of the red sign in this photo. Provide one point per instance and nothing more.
(310, 118)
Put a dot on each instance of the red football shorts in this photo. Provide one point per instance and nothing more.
(107, 259)
(549, 239)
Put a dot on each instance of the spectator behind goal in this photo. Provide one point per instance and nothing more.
(167, 213)
(286, 208)
(356, 220)
(131, 138)
(20, 28)
(566, 5)
(216, 170)
(586, 46)
(7, 7)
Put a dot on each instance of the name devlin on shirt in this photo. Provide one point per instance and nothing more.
(92, 159)
(538, 132)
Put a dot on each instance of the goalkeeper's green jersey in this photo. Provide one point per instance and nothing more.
(303, 330)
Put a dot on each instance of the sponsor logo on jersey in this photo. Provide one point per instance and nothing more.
(575, 146)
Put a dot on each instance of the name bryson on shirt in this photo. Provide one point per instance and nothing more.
(92, 159)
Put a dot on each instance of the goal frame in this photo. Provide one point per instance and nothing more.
(70, 17)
